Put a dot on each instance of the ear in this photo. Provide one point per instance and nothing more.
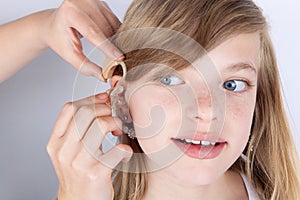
(114, 80)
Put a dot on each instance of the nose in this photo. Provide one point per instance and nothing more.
(205, 112)
(205, 109)
(207, 104)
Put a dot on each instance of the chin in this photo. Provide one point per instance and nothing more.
(197, 174)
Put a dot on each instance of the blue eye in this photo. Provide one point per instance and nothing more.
(171, 80)
(235, 85)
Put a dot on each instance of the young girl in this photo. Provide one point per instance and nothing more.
(224, 125)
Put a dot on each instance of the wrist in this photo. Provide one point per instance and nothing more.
(40, 28)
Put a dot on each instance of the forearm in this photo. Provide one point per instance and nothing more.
(21, 41)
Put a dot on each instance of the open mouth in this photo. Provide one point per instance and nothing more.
(200, 149)
(196, 142)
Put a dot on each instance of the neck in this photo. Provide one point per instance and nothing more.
(162, 186)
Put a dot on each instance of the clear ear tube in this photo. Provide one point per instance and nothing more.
(118, 102)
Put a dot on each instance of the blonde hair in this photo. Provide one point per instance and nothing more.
(272, 166)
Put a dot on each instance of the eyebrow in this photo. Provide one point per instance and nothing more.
(241, 66)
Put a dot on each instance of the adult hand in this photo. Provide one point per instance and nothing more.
(81, 175)
(93, 20)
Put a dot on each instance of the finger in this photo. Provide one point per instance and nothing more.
(100, 98)
(88, 165)
(105, 5)
(68, 147)
(86, 67)
(121, 152)
(85, 116)
(72, 53)
(72, 143)
(57, 168)
(63, 120)
(101, 21)
(109, 15)
(92, 141)
(118, 132)
(75, 57)
(89, 29)
(63, 149)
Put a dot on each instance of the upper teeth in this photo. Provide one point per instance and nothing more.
(203, 142)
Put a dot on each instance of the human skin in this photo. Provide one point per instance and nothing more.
(59, 29)
(187, 177)
(81, 176)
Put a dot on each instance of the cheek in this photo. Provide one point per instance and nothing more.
(149, 105)
(239, 120)
(155, 114)
(240, 112)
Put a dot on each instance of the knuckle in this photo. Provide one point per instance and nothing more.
(61, 158)
(86, 110)
(108, 30)
(49, 149)
(85, 172)
(69, 9)
(103, 124)
(102, 2)
(118, 123)
(76, 165)
(99, 172)
(76, 104)
(92, 31)
(87, 71)
(125, 149)
(94, 175)
(120, 146)
(67, 4)
(68, 107)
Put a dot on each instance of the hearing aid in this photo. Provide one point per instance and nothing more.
(110, 66)
(118, 103)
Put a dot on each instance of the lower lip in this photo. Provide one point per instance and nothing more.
(199, 151)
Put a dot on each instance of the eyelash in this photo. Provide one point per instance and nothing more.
(247, 87)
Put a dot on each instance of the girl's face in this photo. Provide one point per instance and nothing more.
(194, 124)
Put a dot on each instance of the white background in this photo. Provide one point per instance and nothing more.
(31, 100)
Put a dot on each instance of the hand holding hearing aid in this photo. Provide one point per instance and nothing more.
(91, 19)
(60, 29)
(81, 175)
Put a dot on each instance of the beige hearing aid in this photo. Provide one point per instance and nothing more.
(109, 67)
(118, 103)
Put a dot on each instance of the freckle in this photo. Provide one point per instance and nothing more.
(236, 110)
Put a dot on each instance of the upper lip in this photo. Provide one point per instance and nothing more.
(203, 136)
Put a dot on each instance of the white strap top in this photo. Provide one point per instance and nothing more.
(251, 193)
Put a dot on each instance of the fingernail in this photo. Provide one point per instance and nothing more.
(102, 96)
(101, 78)
(118, 55)
(98, 75)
